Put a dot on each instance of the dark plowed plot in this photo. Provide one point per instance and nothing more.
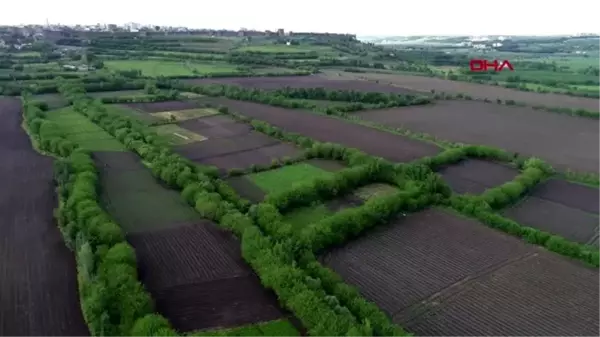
(564, 141)
(326, 129)
(272, 83)
(574, 195)
(405, 266)
(570, 223)
(134, 198)
(198, 279)
(54, 101)
(474, 176)
(163, 106)
(231, 144)
(38, 286)
(426, 84)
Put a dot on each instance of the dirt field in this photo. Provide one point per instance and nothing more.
(325, 129)
(231, 144)
(560, 207)
(474, 176)
(163, 106)
(564, 141)
(439, 274)
(134, 198)
(198, 279)
(38, 286)
(425, 84)
(271, 83)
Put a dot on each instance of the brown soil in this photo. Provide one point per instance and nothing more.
(474, 176)
(231, 144)
(38, 289)
(426, 84)
(302, 82)
(163, 106)
(326, 129)
(571, 223)
(574, 195)
(198, 279)
(327, 165)
(438, 274)
(564, 141)
(246, 189)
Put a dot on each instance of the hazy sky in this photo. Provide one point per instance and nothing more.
(373, 17)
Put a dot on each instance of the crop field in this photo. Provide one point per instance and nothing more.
(183, 115)
(560, 207)
(433, 272)
(122, 93)
(54, 101)
(198, 279)
(167, 68)
(327, 129)
(232, 145)
(312, 81)
(133, 197)
(82, 131)
(36, 267)
(163, 106)
(474, 176)
(426, 84)
(281, 48)
(564, 141)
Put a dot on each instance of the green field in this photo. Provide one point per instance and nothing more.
(135, 199)
(122, 93)
(274, 328)
(282, 48)
(176, 135)
(156, 68)
(126, 111)
(282, 179)
(82, 131)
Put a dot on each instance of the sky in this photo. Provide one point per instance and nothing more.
(364, 18)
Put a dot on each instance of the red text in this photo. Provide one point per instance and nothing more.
(485, 65)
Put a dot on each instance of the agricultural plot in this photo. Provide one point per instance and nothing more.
(474, 176)
(84, 132)
(328, 129)
(282, 48)
(163, 106)
(560, 207)
(564, 141)
(198, 279)
(439, 274)
(271, 83)
(133, 196)
(176, 135)
(156, 68)
(122, 93)
(426, 84)
(54, 101)
(38, 290)
(183, 115)
(232, 145)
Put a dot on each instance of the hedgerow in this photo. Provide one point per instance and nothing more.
(273, 260)
(112, 298)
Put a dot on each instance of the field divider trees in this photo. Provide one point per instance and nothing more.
(112, 298)
(274, 260)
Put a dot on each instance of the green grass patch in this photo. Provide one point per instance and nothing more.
(282, 48)
(122, 93)
(374, 191)
(182, 115)
(274, 328)
(156, 68)
(303, 216)
(284, 178)
(129, 112)
(176, 135)
(138, 202)
(82, 131)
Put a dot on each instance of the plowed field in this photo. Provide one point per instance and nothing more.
(474, 176)
(560, 207)
(38, 285)
(198, 279)
(231, 144)
(163, 106)
(326, 129)
(564, 141)
(439, 274)
(426, 84)
(271, 83)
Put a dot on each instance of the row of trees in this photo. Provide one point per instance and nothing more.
(274, 260)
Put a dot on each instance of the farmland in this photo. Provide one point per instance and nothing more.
(169, 190)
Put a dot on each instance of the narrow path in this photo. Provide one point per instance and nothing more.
(38, 284)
